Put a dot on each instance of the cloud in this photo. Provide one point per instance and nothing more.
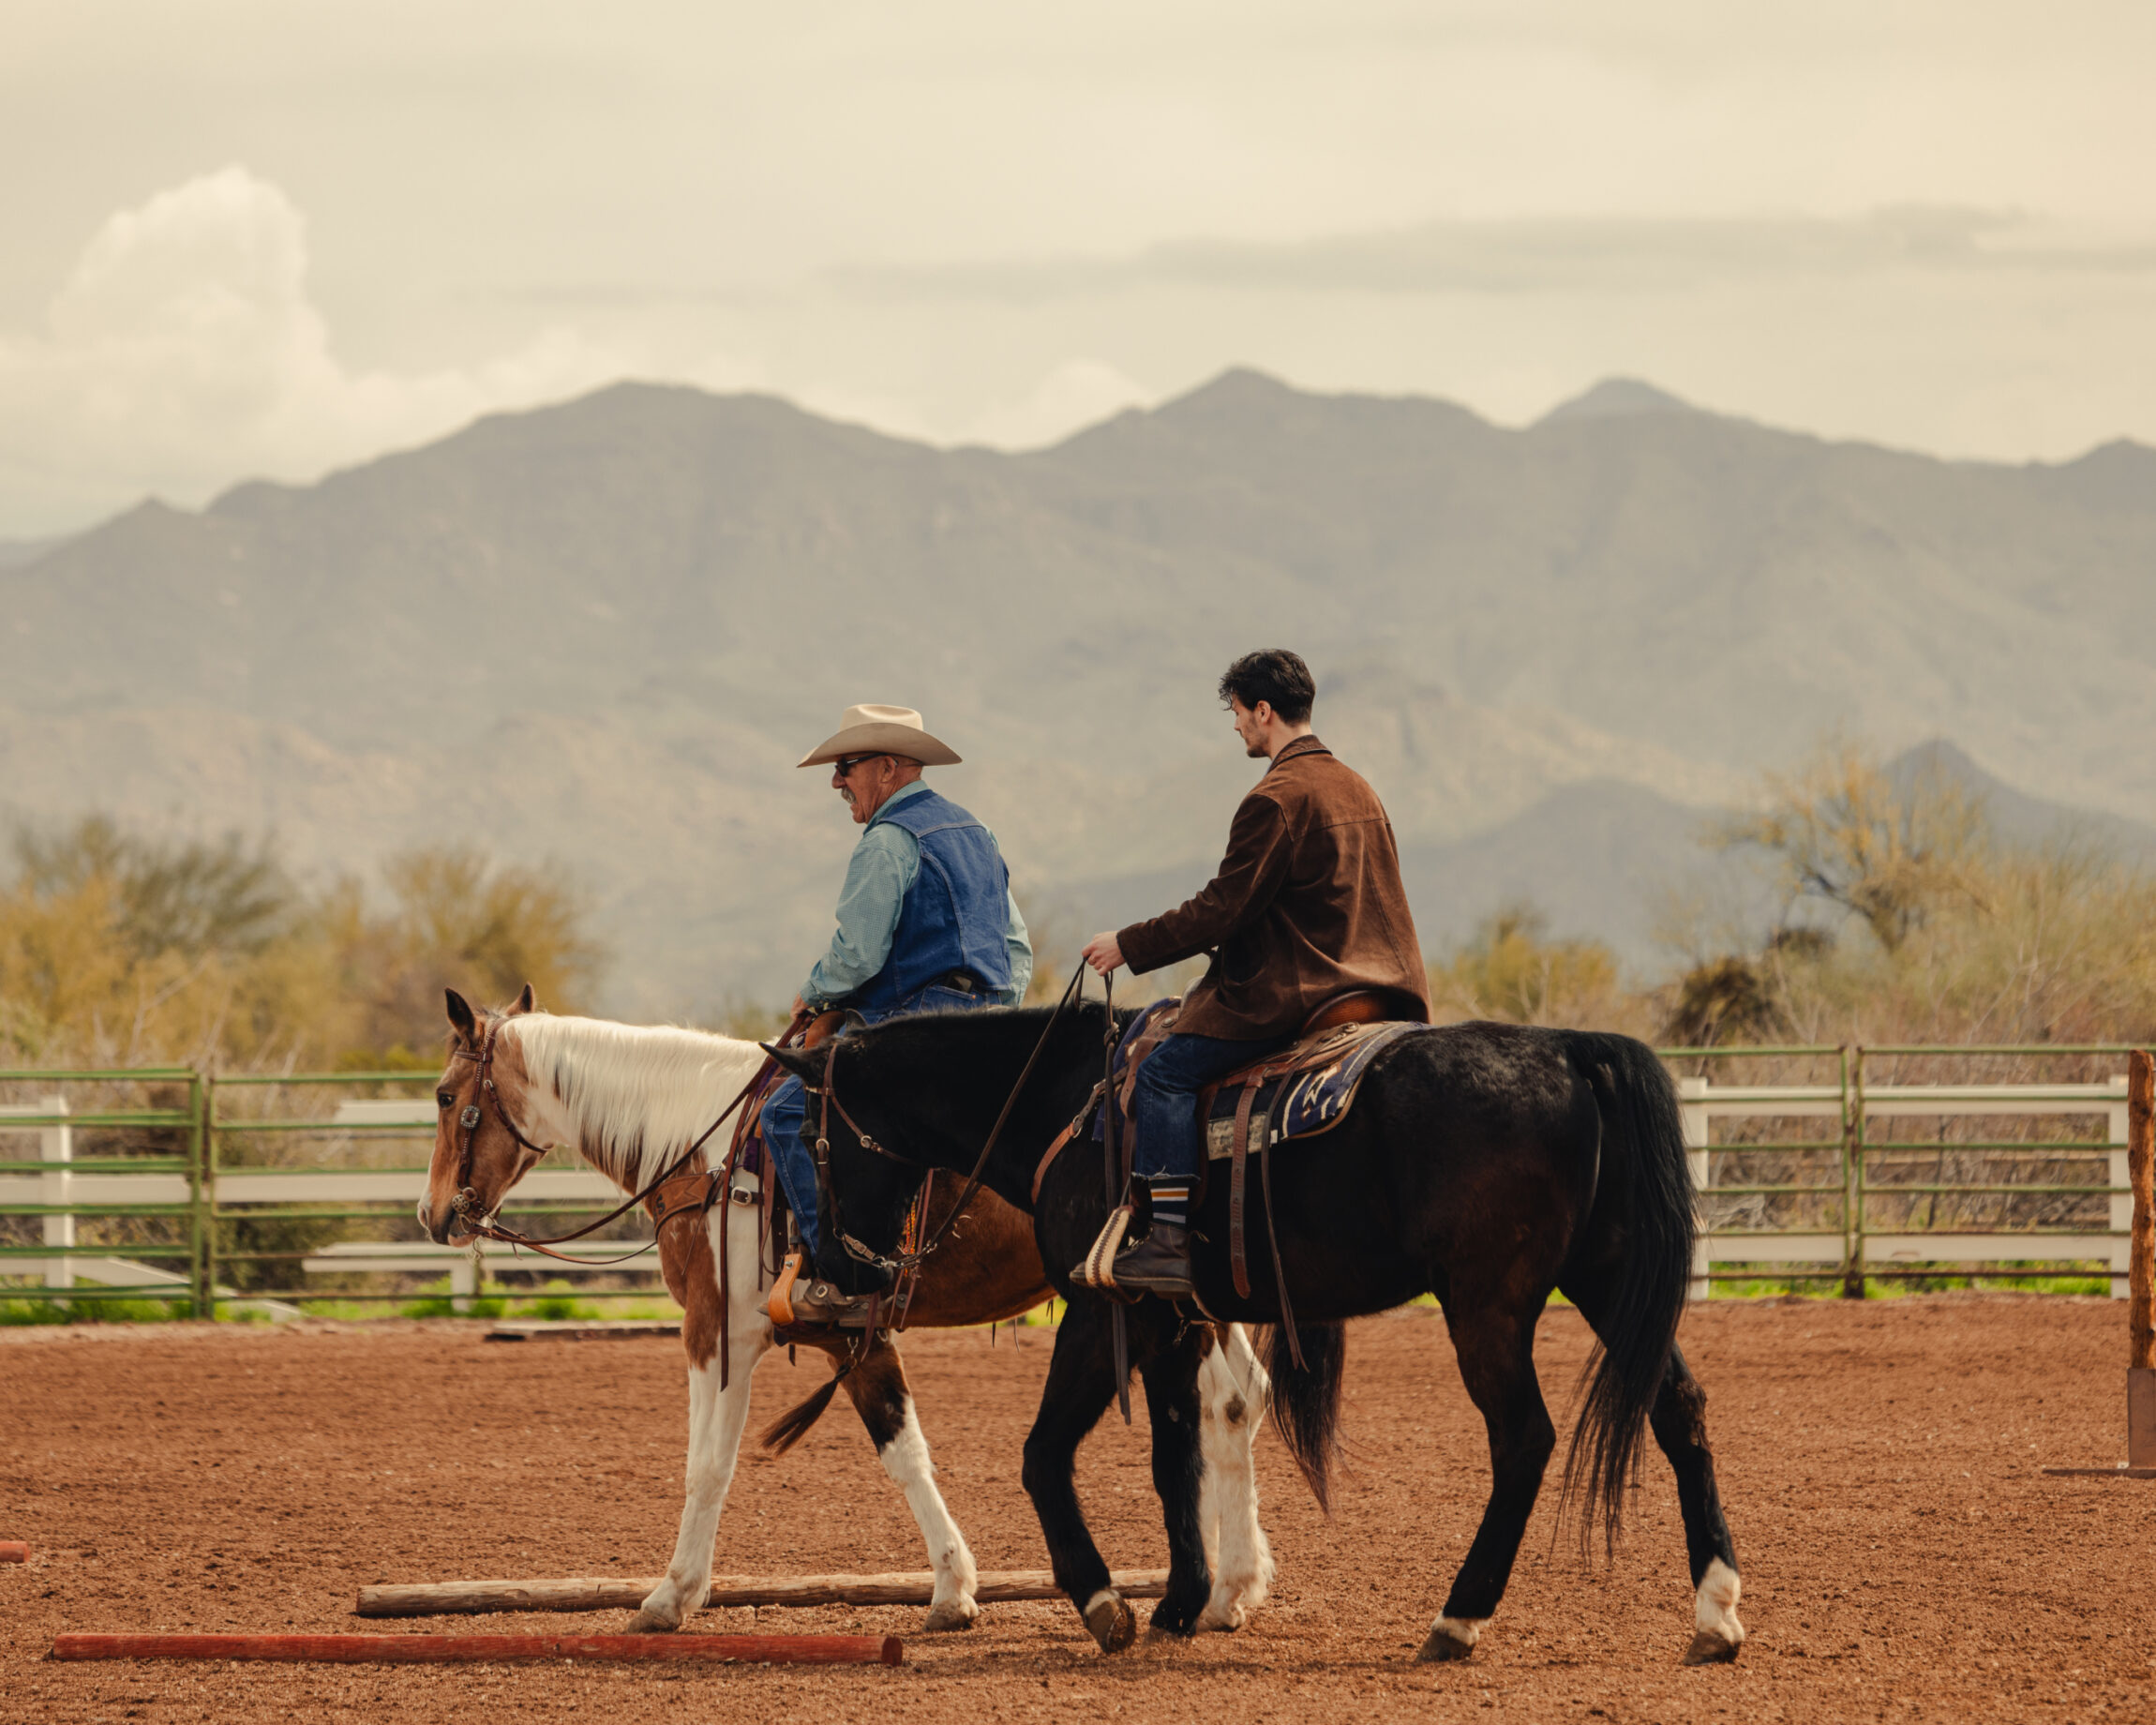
(183, 352)
(1618, 254)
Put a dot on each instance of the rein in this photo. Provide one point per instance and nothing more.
(907, 1261)
(466, 1204)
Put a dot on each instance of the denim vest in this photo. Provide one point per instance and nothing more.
(954, 915)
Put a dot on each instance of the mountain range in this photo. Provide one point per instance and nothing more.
(603, 632)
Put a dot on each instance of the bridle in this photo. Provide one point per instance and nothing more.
(905, 1263)
(481, 1224)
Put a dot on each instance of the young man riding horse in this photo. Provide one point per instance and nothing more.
(1307, 906)
(926, 923)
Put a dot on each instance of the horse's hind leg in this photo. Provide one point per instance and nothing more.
(1497, 1349)
(1233, 1395)
(880, 1394)
(1679, 1423)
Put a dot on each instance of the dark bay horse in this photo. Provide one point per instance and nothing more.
(1489, 1165)
(630, 1099)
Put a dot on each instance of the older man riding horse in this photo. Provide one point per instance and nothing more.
(926, 923)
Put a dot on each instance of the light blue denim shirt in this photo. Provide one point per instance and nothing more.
(886, 862)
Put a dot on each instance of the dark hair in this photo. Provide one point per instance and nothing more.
(1271, 674)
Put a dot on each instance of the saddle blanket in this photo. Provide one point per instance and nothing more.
(1313, 1098)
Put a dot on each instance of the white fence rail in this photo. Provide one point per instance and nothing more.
(1857, 1248)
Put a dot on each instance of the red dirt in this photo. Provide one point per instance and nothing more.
(1903, 1556)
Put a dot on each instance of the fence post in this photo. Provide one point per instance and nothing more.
(2141, 1305)
(201, 1198)
(1853, 1172)
(1692, 1105)
(56, 1145)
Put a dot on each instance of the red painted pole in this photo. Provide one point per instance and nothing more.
(446, 1649)
(14, 1551)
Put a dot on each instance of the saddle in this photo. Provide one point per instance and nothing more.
(1299, 1092)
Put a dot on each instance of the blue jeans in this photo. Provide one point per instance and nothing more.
(1164, 1106)
(790, 1138)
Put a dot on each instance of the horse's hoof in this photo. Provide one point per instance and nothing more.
(1170, 1618)
(1708, 1648)
(1225, 1615)
(1440, 1647)
(956, 1612)
(1111, 1622)
(649, 1622)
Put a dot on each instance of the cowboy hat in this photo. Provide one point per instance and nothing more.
(873, 729)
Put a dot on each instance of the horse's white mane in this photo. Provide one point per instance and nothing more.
(637, 1095)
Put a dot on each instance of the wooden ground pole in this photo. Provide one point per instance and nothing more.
(449, 1649)
(626, 1591)
(14, 1551)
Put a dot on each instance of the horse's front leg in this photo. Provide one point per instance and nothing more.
(716, 1419)
(1081, 1383)
(885, 1402)
(1233, 1395)
(1178, 1465)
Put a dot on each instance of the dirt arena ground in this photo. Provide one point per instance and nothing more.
(1904, 1558)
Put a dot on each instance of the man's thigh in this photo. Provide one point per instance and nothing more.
(1183, 1065)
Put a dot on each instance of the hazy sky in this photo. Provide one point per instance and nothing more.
(271, 236)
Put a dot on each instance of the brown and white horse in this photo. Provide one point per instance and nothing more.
(630, 1099)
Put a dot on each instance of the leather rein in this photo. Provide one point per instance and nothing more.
(905, 1264)
(465, 1205)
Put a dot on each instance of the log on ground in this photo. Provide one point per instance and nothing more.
(449, 1649)
(625, 1592)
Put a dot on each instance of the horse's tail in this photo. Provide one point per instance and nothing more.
(790, 1426)
(1646, 1182)
(1307, 1400)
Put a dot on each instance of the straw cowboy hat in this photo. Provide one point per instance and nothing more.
(873, 729)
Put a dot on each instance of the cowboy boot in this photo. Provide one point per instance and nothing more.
(1159, 1264)
(814, 1300)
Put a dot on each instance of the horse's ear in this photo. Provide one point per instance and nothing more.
(524, 1002)
(804, 1063)
(460, 1015)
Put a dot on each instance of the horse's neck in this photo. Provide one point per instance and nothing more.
(631, 1099)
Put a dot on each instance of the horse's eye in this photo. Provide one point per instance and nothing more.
(446, 1098)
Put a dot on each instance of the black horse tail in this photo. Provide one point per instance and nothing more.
(1307, 1401)
(1644, 1190)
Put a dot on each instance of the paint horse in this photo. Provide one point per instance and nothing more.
(1489, 1165)
(631, 1099)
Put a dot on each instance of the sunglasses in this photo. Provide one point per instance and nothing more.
(845, 764)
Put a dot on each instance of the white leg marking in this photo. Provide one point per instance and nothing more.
(1107, 1595)
(1233, 1395)
(905, 1459)
(1714, 1609)
(1466, 1630)
(716, 1419)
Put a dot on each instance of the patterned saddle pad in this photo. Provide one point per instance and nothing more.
(1312, 1096)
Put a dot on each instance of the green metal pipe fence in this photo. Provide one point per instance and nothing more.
(1814, 1163)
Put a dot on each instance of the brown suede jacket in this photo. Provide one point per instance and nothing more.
(1308, 904)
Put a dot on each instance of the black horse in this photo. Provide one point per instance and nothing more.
(1486, 1163)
